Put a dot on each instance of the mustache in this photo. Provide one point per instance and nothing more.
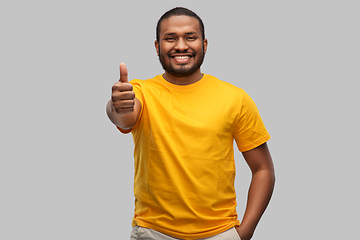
(193, 54)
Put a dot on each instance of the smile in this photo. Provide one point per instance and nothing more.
(181, 59)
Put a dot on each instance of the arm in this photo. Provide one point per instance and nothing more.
(123, 109)
(260, 191)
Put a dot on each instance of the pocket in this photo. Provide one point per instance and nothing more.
(237, 234)
(134, 233)
(147, 234)
(143, 234)
(150, 234)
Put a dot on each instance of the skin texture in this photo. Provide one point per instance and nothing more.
(181, 36)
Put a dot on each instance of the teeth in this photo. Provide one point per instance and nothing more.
(182, 57)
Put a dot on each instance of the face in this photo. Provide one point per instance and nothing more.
(181, 48)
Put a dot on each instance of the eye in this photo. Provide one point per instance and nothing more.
(191, 38)
(170, 39)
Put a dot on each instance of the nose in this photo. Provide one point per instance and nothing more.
(181, 45)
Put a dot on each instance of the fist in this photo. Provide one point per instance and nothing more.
(123, 97)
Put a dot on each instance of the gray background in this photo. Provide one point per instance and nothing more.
(67, 173)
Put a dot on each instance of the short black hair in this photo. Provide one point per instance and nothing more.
(179, 11)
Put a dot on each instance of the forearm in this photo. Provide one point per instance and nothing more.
(260, 191)
(126, 121)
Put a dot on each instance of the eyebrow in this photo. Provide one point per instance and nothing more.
(187, 33)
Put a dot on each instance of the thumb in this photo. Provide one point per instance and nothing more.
(123, 73)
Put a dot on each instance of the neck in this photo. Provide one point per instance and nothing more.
(193, 78)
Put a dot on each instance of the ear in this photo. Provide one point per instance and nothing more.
(157, 47)
(205, 45)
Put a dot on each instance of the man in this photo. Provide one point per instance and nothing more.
(183, 124)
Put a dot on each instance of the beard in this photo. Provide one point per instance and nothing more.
(182, 70)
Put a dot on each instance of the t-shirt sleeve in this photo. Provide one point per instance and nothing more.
(137, 88)
(249, 131)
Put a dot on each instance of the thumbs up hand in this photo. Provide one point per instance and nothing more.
(123, 97)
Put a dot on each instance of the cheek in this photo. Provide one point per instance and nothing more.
(198, 47)
(165, 48)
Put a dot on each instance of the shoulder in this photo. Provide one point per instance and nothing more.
(145, 83)
(224, 86)
(138, 82)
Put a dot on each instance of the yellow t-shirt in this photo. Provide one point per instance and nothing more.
(184, 160)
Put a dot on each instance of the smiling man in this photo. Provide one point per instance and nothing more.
(181, 49)
(183, 124)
